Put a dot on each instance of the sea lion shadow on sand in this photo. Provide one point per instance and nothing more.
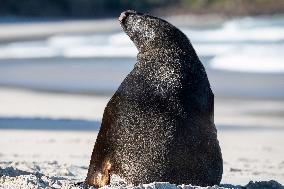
(159, 125)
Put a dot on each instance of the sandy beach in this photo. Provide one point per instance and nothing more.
(53, 134)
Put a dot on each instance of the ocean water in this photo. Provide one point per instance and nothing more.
(243, 57)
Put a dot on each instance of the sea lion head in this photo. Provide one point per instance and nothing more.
(149, 32)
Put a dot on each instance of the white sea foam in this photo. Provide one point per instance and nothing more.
(232, 33)
(248, 29)
(27, 50)
(249, 64)
(120, 39)
(100, 51)
(77, 46)
(251, 59)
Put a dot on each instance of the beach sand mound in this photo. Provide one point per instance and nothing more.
(37, 175)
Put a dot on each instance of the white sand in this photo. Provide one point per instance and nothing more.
(248, 155)
(30, 177)
(250, 134)
(62, 158)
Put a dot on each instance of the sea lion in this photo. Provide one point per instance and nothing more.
(159, 125)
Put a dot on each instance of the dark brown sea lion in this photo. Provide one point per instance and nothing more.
(159, 125)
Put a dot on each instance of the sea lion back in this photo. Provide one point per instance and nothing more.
(159, 125)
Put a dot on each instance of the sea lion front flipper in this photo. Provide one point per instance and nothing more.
(100, 163)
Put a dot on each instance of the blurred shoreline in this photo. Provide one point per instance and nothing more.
(11, 31)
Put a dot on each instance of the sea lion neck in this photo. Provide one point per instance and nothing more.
(157, 55)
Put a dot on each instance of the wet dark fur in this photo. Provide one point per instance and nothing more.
(159, 125)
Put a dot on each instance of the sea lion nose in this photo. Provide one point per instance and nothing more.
(124, 15)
